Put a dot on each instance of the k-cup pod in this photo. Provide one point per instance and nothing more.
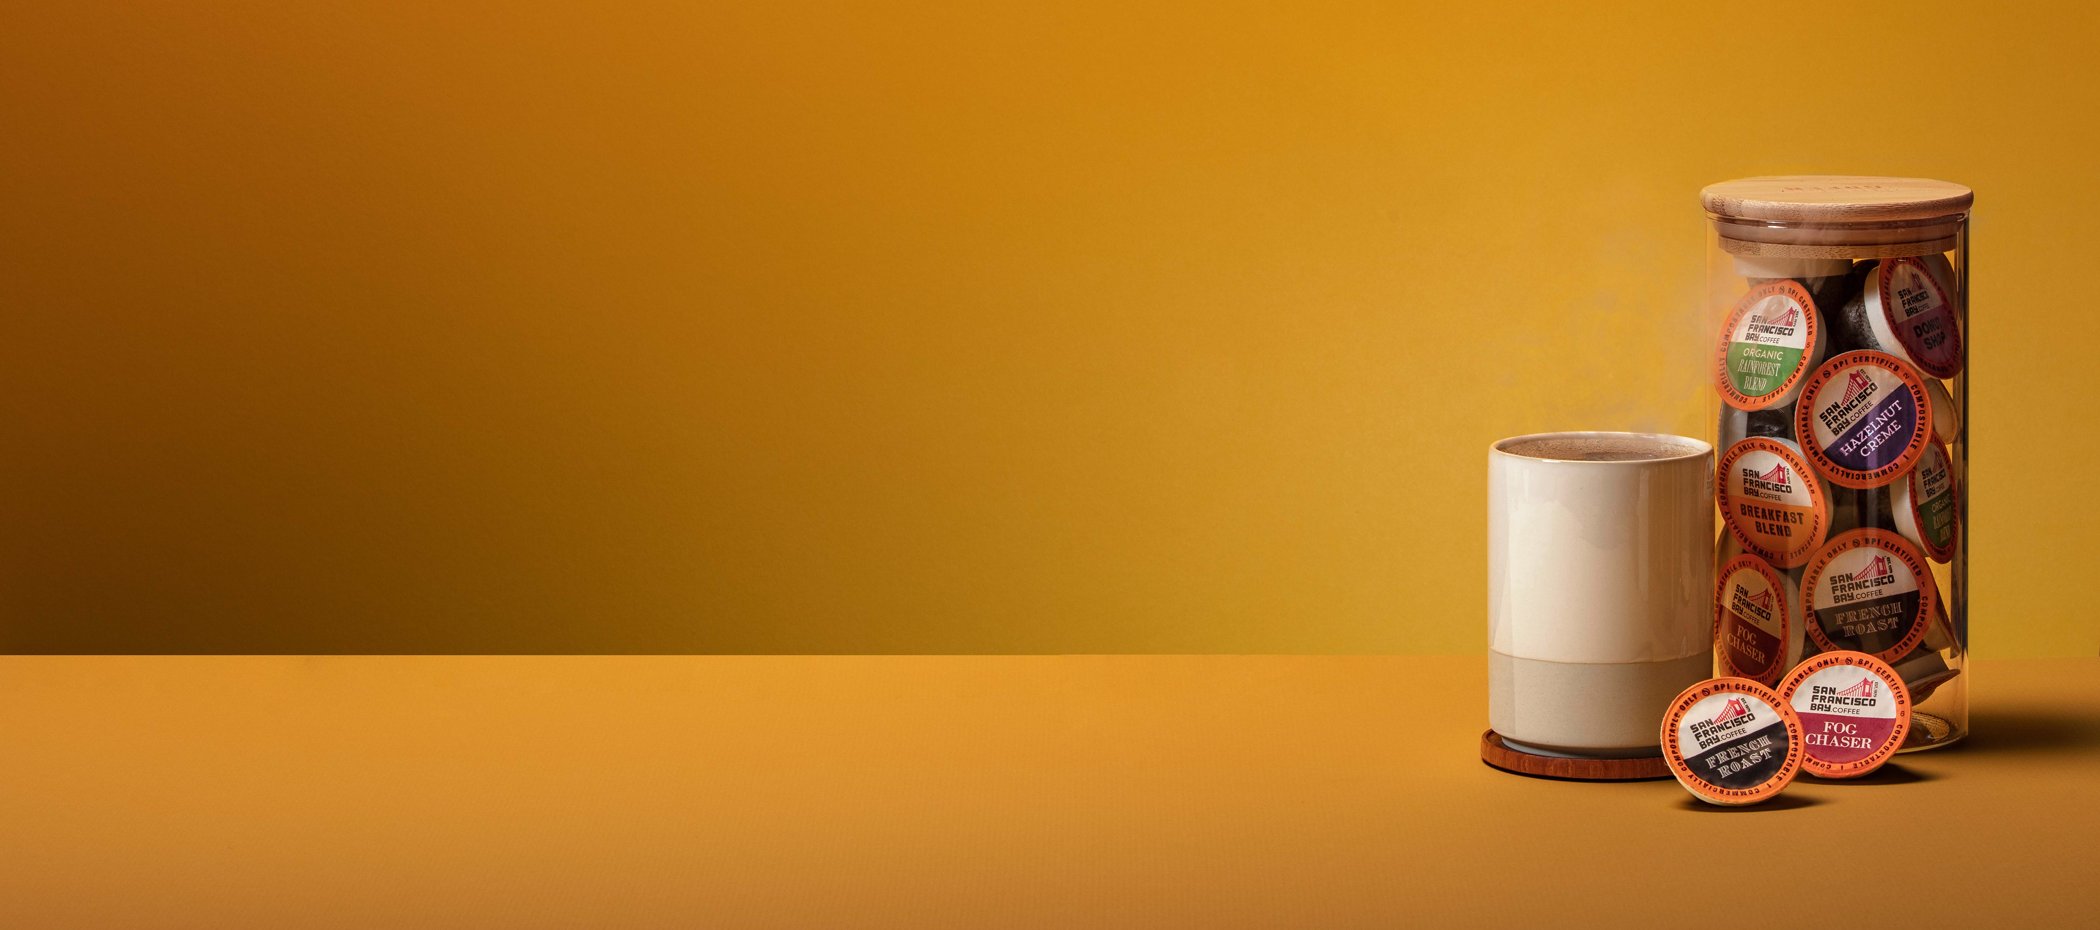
(1769, 344)
(1907, 307)
(1863, 419)
(1923, 506)
(1923, 672)
(1757, 620)
(1854, 711)
(1738, 425)
(1726, 547)
(1939, 635)
(1926, 505)
(1732, 741)
(1946, 417)
(1868, 591)
(1832, 283)
(1772, 501)
(1761, 269)
(1857, 510)
(1926, 668)
(1832, 294)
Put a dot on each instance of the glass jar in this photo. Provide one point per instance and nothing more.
(1838, 311)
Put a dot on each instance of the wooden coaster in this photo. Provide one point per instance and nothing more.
(1495, 752)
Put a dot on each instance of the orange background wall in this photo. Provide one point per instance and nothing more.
(943, 328)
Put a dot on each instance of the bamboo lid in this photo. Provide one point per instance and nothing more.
(1836, 216)
(1837, 198)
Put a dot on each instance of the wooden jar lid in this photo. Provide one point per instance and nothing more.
(1836, 199)
(1836, 216)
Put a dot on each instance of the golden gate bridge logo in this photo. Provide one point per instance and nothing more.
(1853, 385)
(1778, 474)
(1789, 319)
(1733, 709)
(1865, 689)
(1881, 567)
(1762, 599)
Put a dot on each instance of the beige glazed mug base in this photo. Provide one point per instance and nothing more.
(1586, 710)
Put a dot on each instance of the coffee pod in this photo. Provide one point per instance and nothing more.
(1769, 344)
(1868, 591)
(1926, 505)
(1923, 672)
(1863, 419)
(1853, 510)
(1772, 501)
(1926, 668)
(1760, 269)
(1867, 509)
(1726, 547)
(1907, 307)
(1923, 506)
(1939, 634)
(1942, 274)
(1757, 621)
(1830, 284)
(1738, 425)
(1854, 712)
(1732, 741)
(1946, 417)
(1832, 294)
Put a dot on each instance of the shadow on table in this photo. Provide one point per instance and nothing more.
(2070, 730)
(1784, 802)
(1889, 774)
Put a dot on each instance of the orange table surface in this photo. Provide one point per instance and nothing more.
(968, 792)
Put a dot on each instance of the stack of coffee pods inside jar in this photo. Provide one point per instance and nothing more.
(1838, 434)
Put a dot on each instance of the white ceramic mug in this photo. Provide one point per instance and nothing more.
(1600, 587)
